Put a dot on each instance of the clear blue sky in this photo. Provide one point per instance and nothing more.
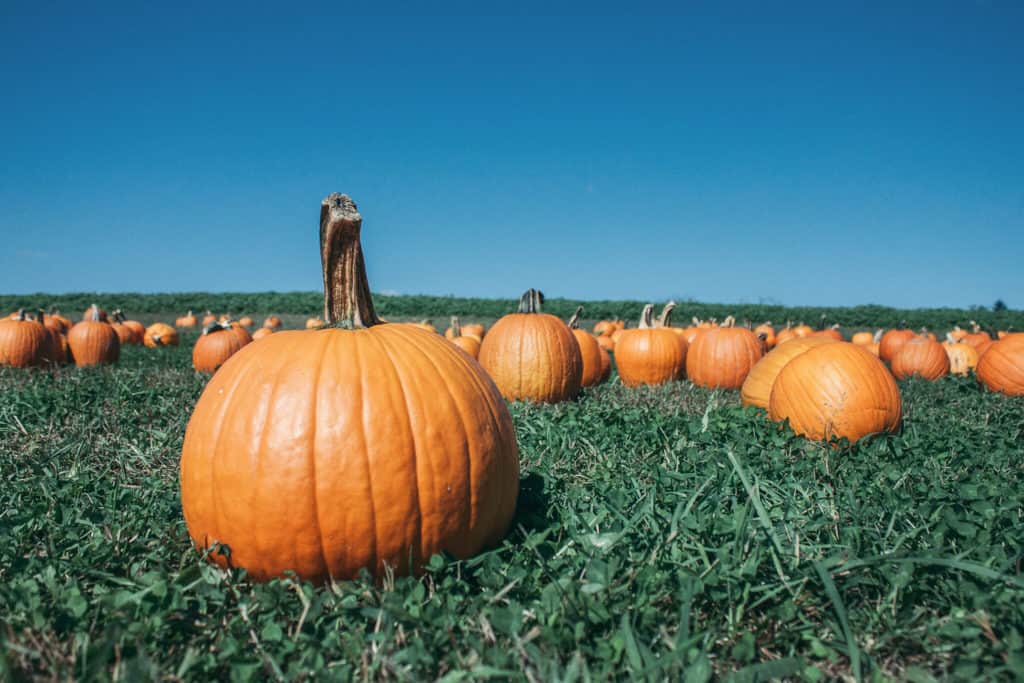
(805, 153)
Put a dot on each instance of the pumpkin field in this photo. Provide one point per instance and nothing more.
(416, 488)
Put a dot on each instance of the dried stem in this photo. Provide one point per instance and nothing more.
(347, 300)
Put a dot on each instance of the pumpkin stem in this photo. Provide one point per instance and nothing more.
(729, 321)
(456, 327)
(647, 317)
(666, 314)
(878, 336)
(975, 327)
(117, 315)
(574, 321)
(530, 301)
(20, 315)
(347, 300)
(215, 326)
(94, 313)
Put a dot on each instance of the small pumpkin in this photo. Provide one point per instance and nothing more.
(272, 322)
(962, 357)
(862, 338)
(803, 330)
(314, 323)
(425, 325)
(24, 342)
(590, 352)
(218, 342)
(261, 333)
(757, 387)
(187, 320)
(356, 445)
(470, 345)
(533, 355)
(246, 321)
(1001, 366)
(836, 390)
(722, 356)
(128, 331)
(464, 330)
(923, 357)
(209, 318)
(162, 334)
(651, 354)
(766, 332)
(93, 341)
(785, 334)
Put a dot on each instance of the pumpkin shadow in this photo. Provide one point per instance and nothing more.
(533, 506)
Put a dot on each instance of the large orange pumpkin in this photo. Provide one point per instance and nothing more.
(470, 345)
(757, 387)
(651, 354)
(533, 355)
(892, 341)
(590, 352)
(722, 356)
(962, 357)
(94, 342)
(218, 342)
(836, 390)
(1001, 367)
(921, 356)
(162, 334)
(23, 342)
(357, 445)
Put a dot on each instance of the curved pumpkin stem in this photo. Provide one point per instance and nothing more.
(456, 327)
(666, 314)
(117, 315)
(347, 300)
(530, 301)
(729, 321)
(878, 336)
(647, 317)
(574, 321)
(975, 327)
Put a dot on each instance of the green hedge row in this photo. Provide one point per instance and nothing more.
(439, 307)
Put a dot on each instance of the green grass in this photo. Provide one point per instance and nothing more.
(662, 533)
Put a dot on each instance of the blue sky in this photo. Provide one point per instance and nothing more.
(802, 153)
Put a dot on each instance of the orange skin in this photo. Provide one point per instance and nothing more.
(468, 344)
(23, 343)
(326, 451)
(606, 343)
(272, 322)
(160, 334)
(873, 348)
(769, 335)
(92, 342)
(468, 330)
(261, 333)
(757, 387)
(245, 321)
(1001, 367)
(803, 330)
(862, 338)
(923, 357)
(606, 365)
(836, 390)
(313, 323)
(214, 348)
(962, 358)
(186, 321)
(722, 357)
(57, 351)
(590, 354)
(533, 356)
(784, 335)
(88, 315)
(830, 333)
(650, 356)
(892, 341)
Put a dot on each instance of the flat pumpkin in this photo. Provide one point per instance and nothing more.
(356, 445)
(836, 390)
(533, 355)
(757, 387)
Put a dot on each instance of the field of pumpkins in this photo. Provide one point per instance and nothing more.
(305, 493)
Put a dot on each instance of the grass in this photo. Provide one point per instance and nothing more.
(661, 533)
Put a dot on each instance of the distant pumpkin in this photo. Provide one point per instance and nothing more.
(651, 354)
(23, 342)
(892, 341)
(272, 322)
(722, 356)
(93, 341)
(162, 334)
(187, 320)
(923, 357)
(963, 358)
(217, 343)
(470, 345)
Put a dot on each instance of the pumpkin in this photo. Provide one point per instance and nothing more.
(245, 321)
(651, 354)
(803, 330)
(617, 335)
(356, 445)
(56, 350)
(921, 356)
(590, 352)
(470, 345)
(1002, 334)
(94, 342)
(690, 333)
(829, 333)
(606, 343)
(209, 318)
(757, 387)
(1001, 367)
(272, 322)
(957, 333)
(474, 330)
(162, 334)
(128, 331)
(261, 333)
(92, 311)
(785, 334)
(978, 338)
(66, 322)
(836, 390)
(722, 356)
(240, 331)
(962, 357)
(313, 323)
(24, 342)
(217, 343)
(187, 320)
(892, 341)
(862, 338)
(606, 365)
(533, 355)
(766, 332)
